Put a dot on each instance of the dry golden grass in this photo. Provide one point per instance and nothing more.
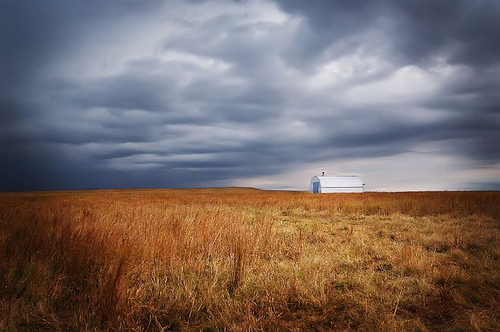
(244, 259)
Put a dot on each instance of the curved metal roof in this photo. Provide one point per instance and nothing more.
(346, 181)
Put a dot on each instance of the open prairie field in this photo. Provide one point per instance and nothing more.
(245, 259)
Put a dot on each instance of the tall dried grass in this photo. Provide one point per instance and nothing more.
(243, 259)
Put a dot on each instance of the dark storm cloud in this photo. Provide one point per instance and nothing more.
(420, 33)
(463, 31)
(173, 93)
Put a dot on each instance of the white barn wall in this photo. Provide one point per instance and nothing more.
(336, 184)
(341, 190)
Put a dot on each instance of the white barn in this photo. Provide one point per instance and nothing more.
(336, 184)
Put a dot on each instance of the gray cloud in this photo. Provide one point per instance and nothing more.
(120, 94)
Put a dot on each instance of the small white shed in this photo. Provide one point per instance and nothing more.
(336, 184)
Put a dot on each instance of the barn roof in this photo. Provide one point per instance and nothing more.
(346, 181)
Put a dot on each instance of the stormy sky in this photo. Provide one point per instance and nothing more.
(129, 93)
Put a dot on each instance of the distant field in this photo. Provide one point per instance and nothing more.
(245, 259)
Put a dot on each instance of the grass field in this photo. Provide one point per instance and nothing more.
(244, 259)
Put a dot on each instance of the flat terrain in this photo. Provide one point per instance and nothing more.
(245, 259)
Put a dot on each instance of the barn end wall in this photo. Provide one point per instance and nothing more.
(315, 185)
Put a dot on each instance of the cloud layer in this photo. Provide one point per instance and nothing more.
(258, 93)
